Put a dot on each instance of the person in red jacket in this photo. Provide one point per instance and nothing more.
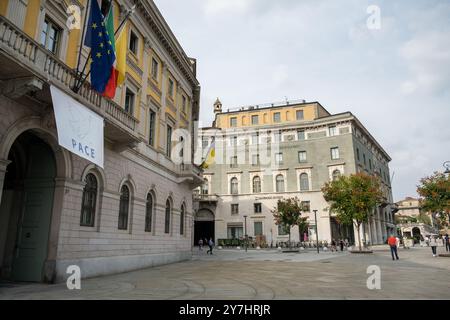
(392, 242)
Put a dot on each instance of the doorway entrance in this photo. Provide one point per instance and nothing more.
(26, 209)
(203, 226)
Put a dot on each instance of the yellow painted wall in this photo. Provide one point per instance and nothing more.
(31, 18)
(287, 114)
(3, 7)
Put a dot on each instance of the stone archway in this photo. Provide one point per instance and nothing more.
(204, 225)
(56, 164)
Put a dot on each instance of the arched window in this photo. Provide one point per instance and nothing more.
(149, 213)
(124, 207)
(182, 220)
(279, 183)
(89, 201)
(234, 186)
(304, 182)
(205, 186)
(336, 174)
(256, 184)
(167, 217)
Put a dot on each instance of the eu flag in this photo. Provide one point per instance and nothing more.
(102, 52)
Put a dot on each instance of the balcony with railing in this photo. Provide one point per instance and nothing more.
(191, 173)
(22, 57)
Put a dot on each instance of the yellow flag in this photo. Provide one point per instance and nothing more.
(210, 156)
(121, 55)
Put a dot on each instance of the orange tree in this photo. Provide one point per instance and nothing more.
(435, 195)
(287, 214)
(353, 198)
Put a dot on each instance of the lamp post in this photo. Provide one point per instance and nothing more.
(245, 231)
(317, 234)
(447, 167)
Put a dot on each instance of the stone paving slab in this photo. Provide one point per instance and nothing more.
(232, 274)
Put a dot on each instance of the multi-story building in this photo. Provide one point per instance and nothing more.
(268, 152)
(58, 209)
(413, 221)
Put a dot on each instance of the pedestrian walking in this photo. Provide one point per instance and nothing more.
(333, 245)
(341, 244)
(210, 245)
(447, 243)
(200, 245)
(433, 245)
(392, 241)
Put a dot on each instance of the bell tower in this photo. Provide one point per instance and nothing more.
(217, 106)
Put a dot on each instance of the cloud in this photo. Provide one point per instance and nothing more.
(428, 58)
(219, 7)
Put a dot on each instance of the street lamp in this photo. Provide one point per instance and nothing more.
(447, 167)
(245, 231)
(317, 234)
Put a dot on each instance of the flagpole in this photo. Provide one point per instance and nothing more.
(82, 80)
(77, 78)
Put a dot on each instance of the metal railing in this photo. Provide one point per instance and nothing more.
(49, 68)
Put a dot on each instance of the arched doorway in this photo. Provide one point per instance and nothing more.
(26, 208)
(416, 235)
(203, 225)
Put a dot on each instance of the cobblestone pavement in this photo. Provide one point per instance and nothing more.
(232, 274)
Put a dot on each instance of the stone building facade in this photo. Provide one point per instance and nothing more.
(57, 209)
(269, 152)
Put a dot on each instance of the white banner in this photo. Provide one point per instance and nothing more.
(80, 130)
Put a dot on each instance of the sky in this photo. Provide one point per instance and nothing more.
(389, 65)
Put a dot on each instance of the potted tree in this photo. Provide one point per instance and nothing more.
(353, 199)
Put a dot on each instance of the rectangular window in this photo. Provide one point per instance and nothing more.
(332, 131)
(258, 228)
(169, 141)
(205, 142)
(233, 122)
(155, 66)
(255, 138)
(233, 162)
(152, 126)
(306, 205)
(302, 156)
(50, 36)
(281, 230)
(279, 158)
(357, 154)
(234, 208)
(370, 164)
(235, 232)
(299, 114)
(233, 141)
(129, 101)
(277, 117)
(183, 104)
(255, 160)
(301, 135)
(277, 136)
(170, 88)
(133, 45)
(334, 153)
(364, 158)
(257, 207)
(255, 119)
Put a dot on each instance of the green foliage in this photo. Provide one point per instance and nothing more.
(288, 214)
(353, 198)
(424, 218)
(435, 195)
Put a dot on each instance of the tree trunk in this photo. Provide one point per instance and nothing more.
(290, 237)
(359, 236)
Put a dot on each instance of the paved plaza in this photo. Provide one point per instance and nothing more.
(233, 274)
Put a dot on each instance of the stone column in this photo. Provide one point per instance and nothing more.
(162, 113)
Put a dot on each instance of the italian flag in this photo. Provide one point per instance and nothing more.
(120, 48)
